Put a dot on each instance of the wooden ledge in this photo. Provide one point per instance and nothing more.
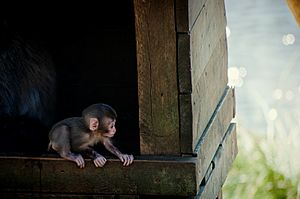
(146, 176)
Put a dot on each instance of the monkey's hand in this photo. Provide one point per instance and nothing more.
(126, 159)
(79, 161)
(77, 158)
(99, 161)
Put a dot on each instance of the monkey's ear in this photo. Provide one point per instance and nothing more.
(93, 124)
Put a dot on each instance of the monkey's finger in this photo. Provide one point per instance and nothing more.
(103, 161)
(131, 159)
(82, 165)
(124, 163)
(127, 160)
(97, 164)
(80, 162)
(122, 158)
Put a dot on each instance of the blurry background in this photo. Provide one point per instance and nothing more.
(264, 66)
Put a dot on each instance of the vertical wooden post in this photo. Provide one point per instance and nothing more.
(157, 77)
(202, 65)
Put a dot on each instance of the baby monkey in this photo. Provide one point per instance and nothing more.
(80, 134)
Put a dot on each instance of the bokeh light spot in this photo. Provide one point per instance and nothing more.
(272, 114)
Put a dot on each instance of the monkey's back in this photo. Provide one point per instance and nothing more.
(68, 134)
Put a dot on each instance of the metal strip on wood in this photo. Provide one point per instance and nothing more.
(214, 132)
(222, 160)
(196, 108)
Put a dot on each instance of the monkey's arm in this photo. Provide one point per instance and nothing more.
(98, 159)
(126, 159)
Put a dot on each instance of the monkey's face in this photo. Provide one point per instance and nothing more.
(109, 127)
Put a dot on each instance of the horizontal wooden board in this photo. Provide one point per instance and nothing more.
(196, 109)
(157, 77)
(222, 162)
(214, 132)
(146, 176)
(56, 195)
(187, 12)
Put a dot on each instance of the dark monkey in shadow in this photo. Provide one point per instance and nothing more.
(27, 92)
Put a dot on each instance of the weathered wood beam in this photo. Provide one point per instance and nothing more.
(187, 11)
(157, 77)
(146, 176)
(195, 49)
(214, 132)
(202, 65)
(197, 107)
(221, 165)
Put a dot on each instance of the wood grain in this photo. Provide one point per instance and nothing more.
(146, 176)
(214, 132)
(222, 160)
(157, 77)
(196, 48)
(209, 88)
(208, 29)
(196, 109)
(187, 12)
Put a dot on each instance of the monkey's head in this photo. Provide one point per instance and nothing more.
(101, 118)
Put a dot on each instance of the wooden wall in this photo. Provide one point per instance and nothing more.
(185, 105)
(182, 62)
(157, 77)
(187, 141)
(202, 55)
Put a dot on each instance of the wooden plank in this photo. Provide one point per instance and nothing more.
(182, 15)
(129, 197)
(23, 176)
(196, 108)
(195, 49)
(187, 12)
(146, 176)
(208, 29)
(54, 195)
(184, 63)
(222, 160)
(186, 124)
(209, 88)
(214, 133)
(157, 77)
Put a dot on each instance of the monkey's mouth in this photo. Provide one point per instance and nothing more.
(109, 135)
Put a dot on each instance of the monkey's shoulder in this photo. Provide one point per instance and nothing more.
(73, 123)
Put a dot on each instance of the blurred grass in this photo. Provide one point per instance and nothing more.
(265, 167)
